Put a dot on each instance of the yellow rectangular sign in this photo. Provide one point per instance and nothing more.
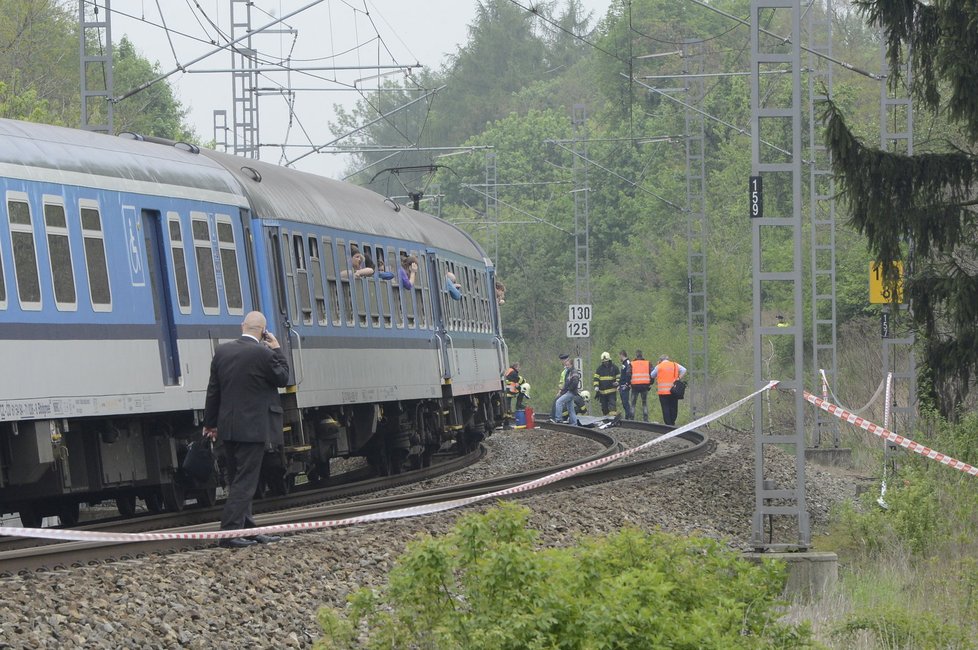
(880, 292)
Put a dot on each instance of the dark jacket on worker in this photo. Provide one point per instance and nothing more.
(625, 378)
(242, 394)
(572, 382)
(606, 377)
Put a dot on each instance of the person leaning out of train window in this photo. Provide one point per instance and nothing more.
(500, 293)
(452, 286)
(408, 271)
(359, 265)
(382, 271)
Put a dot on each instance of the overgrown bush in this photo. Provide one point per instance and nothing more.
(486, 585)
(899, 628)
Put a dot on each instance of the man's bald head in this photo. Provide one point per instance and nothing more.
(254, 323)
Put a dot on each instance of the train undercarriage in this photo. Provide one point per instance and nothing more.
(50, 468)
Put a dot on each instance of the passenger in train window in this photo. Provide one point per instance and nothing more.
(452, 286)
(408, 271)
(500, 293)
(382, 271)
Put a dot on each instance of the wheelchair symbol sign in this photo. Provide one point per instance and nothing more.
(137, 270)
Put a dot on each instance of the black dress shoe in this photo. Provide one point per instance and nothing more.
(264, 539)
(237, 542)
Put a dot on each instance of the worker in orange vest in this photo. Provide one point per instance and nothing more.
(641, 382)
(666, 373)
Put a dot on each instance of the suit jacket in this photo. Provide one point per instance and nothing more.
(242, 394)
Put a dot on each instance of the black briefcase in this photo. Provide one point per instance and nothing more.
(198, 464)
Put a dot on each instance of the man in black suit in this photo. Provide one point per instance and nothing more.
(244, 410)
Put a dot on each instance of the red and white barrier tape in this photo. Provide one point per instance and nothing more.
(885, 433)
(94, 536)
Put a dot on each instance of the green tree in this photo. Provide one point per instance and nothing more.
(152, 111)
(921, 208)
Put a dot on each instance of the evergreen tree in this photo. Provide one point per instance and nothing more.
(920, 208)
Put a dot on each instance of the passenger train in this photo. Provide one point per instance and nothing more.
(124, 262)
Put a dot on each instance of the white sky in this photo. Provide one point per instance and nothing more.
(329, 33)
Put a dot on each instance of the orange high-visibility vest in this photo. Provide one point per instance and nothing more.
(667, 374)
(640, 372)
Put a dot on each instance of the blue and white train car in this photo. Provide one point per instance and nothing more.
(124, 262)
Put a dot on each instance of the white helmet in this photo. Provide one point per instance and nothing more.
(586, 395)
(606, 356)
(525, 389)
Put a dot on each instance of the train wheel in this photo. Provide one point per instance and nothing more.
(68, 513)
(30, 517)
(126, 504)
(154, 502)
(173, 497)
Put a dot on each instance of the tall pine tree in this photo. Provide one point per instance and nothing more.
(921, 208)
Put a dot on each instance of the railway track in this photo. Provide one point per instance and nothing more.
(20, 556)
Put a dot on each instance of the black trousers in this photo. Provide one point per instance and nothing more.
(642, 390)
(608, 402)
(244, 470)
(670, 408)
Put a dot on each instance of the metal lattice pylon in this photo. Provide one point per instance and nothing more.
(822, 212)
(896, 134)
(582, 251)
(696, 232)
(96, 67)
(776, 283)
(244, 81)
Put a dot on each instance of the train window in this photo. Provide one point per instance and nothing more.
(395, 264)
(301, 279)
(469, 300)
(334, 296)
(59, 254)
(204, 256)
(407, 296)
(229, 265)
(179, 255)
(98, 272)
(484, 311)
(345, 274)
(421, 292)
(383, 288)
(316, 271)
(370, 282)
(26, 273)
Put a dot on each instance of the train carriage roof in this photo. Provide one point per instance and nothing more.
(160, 167)
(75, 157)
(288, 194)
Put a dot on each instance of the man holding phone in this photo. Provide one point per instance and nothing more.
(243, 409)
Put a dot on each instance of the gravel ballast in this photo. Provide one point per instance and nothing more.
(266, 596)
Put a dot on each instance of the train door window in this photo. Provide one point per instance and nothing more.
(26, 273)
(229, 265)
(316, 271)
(470, 301)
(3, 285)
(395, 264)
(98, 272)
(177, 252)
(287, 260)
(345, 284)
(359, 287)
(59, 254)
(484, 311)
(301, 279)
(383, 288)
(204, 257)
(407, 297)
(331, 286)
